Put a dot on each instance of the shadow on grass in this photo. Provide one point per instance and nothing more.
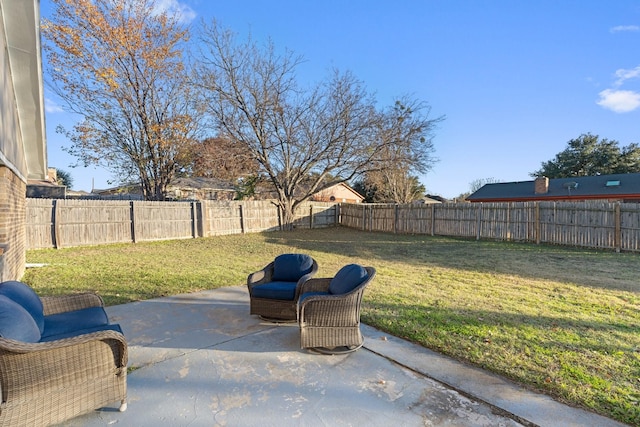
(595, 268)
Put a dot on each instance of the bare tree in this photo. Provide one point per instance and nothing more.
(221, 158)
(120, 65)
(304, 139)
(476, 184)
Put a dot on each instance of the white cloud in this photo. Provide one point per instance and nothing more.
(621, 28)
(624, 75)
(173, 7)
(619, 101)
(51, 107)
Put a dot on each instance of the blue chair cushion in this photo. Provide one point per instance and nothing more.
(311, 294)
(70, 334)
(25, 297)
(16, 323)
(275, 290)
(70, 321)
(291, 267)
(347, 279)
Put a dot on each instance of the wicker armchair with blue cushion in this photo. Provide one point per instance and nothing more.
(329, 310)
(274, 290)
(59, 357)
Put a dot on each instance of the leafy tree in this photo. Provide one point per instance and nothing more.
(589, 155)
(119, 64)
(64, 178)
(302, 136)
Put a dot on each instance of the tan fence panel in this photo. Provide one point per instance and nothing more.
(221, 218)
(83, 222)
(316, 215)
(415, 219)
(39, 229)
(260, 215)
(630, 226)
(163, 220)
(456, 219)
(352, 215)
(593, 224)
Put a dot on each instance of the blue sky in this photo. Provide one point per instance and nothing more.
(516, 79)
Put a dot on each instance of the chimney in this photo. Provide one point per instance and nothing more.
(52, 175)
(541, 185)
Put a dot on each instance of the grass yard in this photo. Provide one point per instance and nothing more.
(563, 321)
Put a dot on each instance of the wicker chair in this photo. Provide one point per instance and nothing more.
(274, 290)
(52, 380)
(329, 310)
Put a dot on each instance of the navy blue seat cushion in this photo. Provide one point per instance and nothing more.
(70, 334)
(27, 298)
(291, 267)
(275, 290)
(311, 294)
(16, 323)
(347, 279)
(72, 321)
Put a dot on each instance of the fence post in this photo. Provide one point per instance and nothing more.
(241, 219)
(132, 211)
(508, 234)
(479, 225)
(337, 220)
(618, 229)
(55, 238)
(204, 223)
(537, 223)
(433, 219)
(395, 219)
(310, 217)
(194, 221)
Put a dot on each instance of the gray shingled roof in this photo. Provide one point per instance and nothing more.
(577, 187)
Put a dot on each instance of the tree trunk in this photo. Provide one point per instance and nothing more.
(287, 209)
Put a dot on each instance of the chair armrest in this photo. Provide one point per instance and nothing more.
(316, 284)
(19, 347)
(261, 276)
(28, 368)
(64, 303)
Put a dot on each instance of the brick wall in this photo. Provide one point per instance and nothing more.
(12, 225)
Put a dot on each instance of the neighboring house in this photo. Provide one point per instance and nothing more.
(340, 193)
(617, 187)
(179, 189)
(121, 192)
(46, 188)
(200, 189)
(23, 150)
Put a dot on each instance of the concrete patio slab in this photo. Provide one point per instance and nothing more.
(201, 360)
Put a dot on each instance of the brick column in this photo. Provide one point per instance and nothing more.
(13, 213)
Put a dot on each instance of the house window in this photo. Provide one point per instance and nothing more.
(612, 184)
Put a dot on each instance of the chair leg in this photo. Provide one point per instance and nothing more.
(123, 405)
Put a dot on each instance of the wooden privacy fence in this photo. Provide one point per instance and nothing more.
(56, 223)
(604, 225)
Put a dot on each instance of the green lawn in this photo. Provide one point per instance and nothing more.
(563, 321)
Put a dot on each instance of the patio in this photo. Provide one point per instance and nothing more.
(201, 359)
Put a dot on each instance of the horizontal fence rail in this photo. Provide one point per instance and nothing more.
(57, 223)
(593, 224)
